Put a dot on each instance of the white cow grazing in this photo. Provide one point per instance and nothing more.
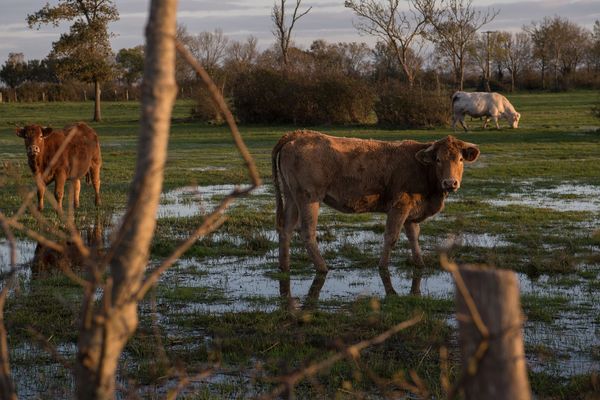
(483, 104)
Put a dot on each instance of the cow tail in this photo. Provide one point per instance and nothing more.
(277, 180)
(276, 183)
(88, 177)
(454, 97)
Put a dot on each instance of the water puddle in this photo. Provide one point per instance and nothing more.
(565, 197)
(197, 200)
(24, 252)
(250, 284)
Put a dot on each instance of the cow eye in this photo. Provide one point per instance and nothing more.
(461, 159)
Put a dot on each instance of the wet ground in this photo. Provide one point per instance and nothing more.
(252, 283)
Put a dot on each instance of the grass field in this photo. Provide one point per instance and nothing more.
(530, 204)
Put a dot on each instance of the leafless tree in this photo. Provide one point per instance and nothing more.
(283, 29)
(106, 327)
(454, 24)
(558, 44)
(400, 30)
(209, 48)
(517, 55)
(241, 55)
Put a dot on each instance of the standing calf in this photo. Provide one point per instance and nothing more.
(52, 160)
(407, 180)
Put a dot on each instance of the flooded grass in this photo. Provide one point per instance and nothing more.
(531, 204)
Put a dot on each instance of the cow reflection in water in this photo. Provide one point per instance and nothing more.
(314, 292)
(47, 259)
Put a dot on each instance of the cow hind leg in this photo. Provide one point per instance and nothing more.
(59, 190)
(290, 221)
(95, 175)
(462, 122)
(76, 191)
(309, 214)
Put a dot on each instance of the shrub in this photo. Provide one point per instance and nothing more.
(402, 107)
(269, 96)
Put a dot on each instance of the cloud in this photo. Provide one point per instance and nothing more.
(327, 20)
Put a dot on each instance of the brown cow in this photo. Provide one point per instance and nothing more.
(80, 156)
(407, 180)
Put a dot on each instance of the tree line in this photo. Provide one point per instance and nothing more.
(434, 47)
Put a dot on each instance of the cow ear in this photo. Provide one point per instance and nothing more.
(20, 132)
(426, 156)
(46, 131)
(470, 152)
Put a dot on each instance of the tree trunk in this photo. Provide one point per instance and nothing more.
(501, 373)
(104, 334)
(512, 81)
(543, 76)
(97, 93)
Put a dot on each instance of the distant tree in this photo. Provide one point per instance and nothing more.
(558, 44)
(283, 28)
(184, 74)
(398, 29)
(454, 24)
(352, 59)
(42, 71)
(131, 64)
(84, 52)
(209, 48)
(487, 49)
(593, 56)
(385, 63)
(14, 72)
(241, 55)
(517, 55)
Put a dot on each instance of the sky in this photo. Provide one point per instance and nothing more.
(237, 19)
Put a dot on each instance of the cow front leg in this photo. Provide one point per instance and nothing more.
(290, 216)
(309, 213)
(412, 231)
(59, 190)
(395, 220)
(485, 122)
(495, 118)
(41, 191)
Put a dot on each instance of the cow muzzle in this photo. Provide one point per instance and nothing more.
(33, 150)
(450, 185)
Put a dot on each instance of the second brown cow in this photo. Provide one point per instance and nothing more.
(61, 155)
(407, 180)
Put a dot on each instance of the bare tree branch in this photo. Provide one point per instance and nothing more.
(290, 381)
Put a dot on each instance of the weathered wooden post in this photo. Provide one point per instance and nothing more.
(493, 366)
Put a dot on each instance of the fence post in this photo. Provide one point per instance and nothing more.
(500, 373)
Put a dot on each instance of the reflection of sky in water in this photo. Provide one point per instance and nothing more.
(566, 197)
(248, 285)
(197, 200)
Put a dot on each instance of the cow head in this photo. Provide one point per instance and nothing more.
(448, 156)
(34, 136)
(513, 119)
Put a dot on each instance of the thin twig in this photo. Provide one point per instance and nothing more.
(7, 386)
(218, 99)
(354, 351)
